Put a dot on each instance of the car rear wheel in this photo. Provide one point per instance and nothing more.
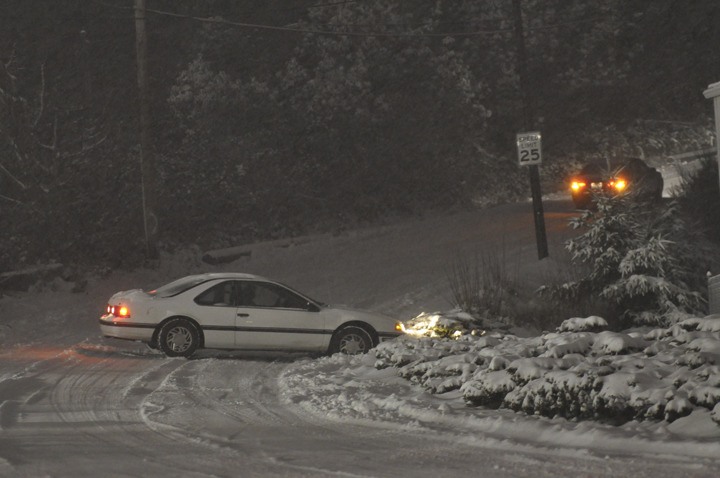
(351, 340)
(178, 338)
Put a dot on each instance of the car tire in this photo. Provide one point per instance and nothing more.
(178, 338)
(351, 340)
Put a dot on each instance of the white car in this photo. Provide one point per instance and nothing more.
(240, 311)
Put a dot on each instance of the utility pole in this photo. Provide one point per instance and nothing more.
(147, 167)
(528, 118)
(713, 92)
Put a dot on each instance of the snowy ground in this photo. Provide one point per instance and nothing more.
(74, 404)
(639, 395)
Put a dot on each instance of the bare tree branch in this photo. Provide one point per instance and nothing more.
(42, 96)
(53, 146)
(85, 149)
(8, 63)
(24, 159)
(10, 199)
(10, 175)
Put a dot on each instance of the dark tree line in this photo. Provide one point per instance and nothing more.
(396, 107)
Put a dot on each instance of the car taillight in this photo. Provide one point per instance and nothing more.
(118, 311)
(619, 184)
(577, 185)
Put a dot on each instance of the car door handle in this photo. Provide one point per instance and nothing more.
(243, 314)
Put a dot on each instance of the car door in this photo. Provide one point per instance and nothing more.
(216, 311)
(273, 317)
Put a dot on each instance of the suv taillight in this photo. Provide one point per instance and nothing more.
(577, 185)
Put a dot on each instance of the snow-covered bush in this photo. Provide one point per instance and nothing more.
(642, 259)
(556, 393)
(583, 324)
(453, 324)
(659, 374)
(488, 388)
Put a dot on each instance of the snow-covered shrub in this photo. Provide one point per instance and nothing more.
(452, 324)
(399, 353)
(705, 396)
(583, 324)
(564, 394)
(641, 258)
(613, 343)
(488, 388)
(676, 407)
(448, 373)
(613, 377)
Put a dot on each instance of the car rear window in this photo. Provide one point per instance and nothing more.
(177, 287)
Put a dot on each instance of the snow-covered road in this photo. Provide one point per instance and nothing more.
(104, 411)
(73, 404)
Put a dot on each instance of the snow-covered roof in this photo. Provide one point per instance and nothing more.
(228, 275)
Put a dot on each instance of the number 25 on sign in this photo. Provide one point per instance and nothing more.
(529, 148)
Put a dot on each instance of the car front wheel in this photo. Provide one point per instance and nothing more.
(351, 340)
(178, 338)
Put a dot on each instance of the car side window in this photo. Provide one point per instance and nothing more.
(221, 295)
(265, 294)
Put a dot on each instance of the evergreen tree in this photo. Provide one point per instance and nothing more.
(641, 258)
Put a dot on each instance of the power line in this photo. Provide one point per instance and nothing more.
(335, 32)
(367, 34)
(324, 32)
(333, 4)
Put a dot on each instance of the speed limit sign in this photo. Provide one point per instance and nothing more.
(529, 148)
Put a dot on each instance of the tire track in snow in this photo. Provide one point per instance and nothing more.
(236, 407)
(223, 404)
(87, 407)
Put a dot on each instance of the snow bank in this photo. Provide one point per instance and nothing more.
(613, 377)
(641, 392)
(581, 324)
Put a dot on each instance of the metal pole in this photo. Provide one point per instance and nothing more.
(538, 212)
(146, 166)
(713, 92)
(716, 103)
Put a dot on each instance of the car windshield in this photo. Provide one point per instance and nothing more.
(178, 286)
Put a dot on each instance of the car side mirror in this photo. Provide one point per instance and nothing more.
(312, 307)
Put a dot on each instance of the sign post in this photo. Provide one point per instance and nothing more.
(529, 147)
(713, 92)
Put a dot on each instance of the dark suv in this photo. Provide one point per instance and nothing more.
(631, 176)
